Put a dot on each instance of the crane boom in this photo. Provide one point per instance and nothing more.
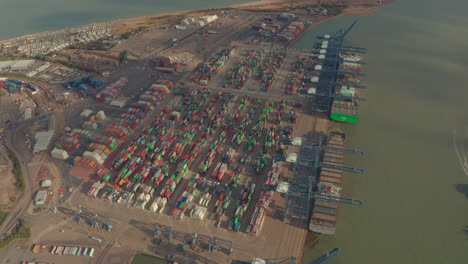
(324, 258)
(338, 199)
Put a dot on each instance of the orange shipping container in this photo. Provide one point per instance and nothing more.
(324, 217)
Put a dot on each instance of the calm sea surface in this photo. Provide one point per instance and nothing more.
(414, 131)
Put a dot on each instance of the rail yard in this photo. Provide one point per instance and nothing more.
(205, 141)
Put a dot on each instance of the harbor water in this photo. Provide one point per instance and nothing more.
(20, 17)
(414, 131)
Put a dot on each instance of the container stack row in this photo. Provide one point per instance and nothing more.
(241, 207)
(291, 31)
(258, 216)
(207, 70)
(111, 91)
(72, 251)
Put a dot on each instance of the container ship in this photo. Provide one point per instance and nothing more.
(338, 83)
(346, 108)
(323, 217)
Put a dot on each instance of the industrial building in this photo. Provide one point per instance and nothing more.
(41, 197)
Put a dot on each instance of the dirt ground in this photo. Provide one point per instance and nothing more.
(8, 191)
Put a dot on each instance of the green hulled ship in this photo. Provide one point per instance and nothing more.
(345, 108)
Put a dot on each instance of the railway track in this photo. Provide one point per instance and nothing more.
(25, 197)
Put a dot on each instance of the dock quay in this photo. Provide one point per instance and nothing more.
(212, 152)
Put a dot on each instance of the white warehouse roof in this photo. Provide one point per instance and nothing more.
(22, 64)
(5, 64)
(42, 140)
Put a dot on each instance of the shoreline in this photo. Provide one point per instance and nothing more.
(123, 25)
(354, 8)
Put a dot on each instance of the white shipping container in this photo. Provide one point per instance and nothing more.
(117, 103)
(59, 154)
(154, 207)
(91, 252)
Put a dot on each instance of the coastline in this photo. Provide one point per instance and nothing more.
(124, 25)
(120, 26)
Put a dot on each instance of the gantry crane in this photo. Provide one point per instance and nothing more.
(107, 225)
(332, 60)
(292, 260)
(215, 243)
(78, 217)
(93, 221)
(327, 81)
(159, 229)
(304, 188)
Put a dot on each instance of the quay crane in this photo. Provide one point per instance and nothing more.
(323, 58)
(343, 72)
(215, 243)
(292, 260)
(78, 217)
(93, 221)
(107, 225)
(327, 80)
(158, 229)
(303, 188)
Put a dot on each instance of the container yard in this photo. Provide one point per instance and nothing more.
(192, 153)
(255, 70)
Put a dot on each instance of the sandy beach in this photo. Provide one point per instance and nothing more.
(353, 8)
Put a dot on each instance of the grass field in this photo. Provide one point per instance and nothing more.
(19, 231)
(147, 259)
(3, 216)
